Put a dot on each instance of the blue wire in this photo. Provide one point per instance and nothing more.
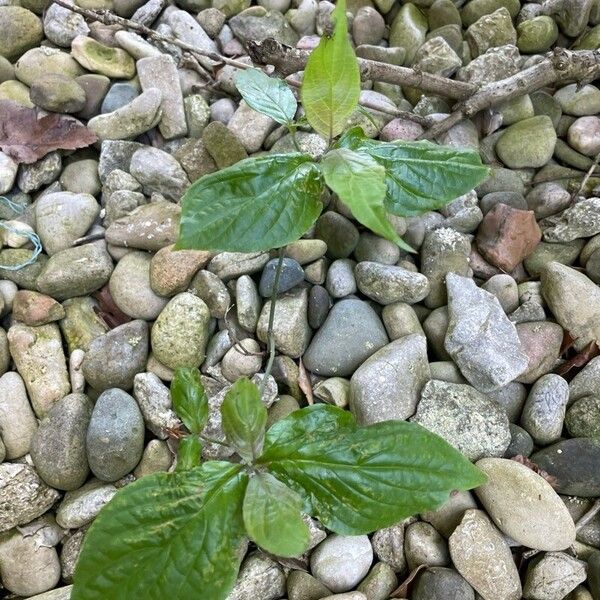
(32, 237)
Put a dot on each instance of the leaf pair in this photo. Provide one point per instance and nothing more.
(181, 534)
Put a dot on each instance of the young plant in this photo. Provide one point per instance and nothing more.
(267, 202)
(182, 535)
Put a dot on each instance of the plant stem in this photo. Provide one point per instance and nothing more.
(270, 335)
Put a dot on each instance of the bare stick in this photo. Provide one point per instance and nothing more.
(560, 65)
(586, 178)
(288, 60)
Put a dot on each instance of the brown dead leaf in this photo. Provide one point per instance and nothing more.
(305, 384)
(27, 138)
(403, 589)
(107, 310)
(579, 360)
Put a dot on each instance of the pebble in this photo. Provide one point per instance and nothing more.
(339, 234)
(24, 495)
(115, 436)
(524, 506)
(57, 93)
(528, 143)
(387, 284)
(480, 338)
(379, 583)
(130, 286)
(351, 333)
(544, 411)
(62, 26)
(586, 382)
(81, 324)
(180, 333)
(441, 583)
(583, 135)
(212, 290)
(58, 447)
(340, 279)
(17, 420)
(260, 577)
(582, 220)
(115, 358)
(98, 58)
(388, 384)
(171, 271)
(579, 102)
(81, 506)
(250, 127)
(242, 360)
(573, 463)
(118, 96)
(423, 545)
(340, 562)
(154, 400)
(302, 586)
(541, 341)
(448, 516)
(482, 556)
(290, 276)
(553, 576)
(20, 30)
(465, 418)
(583, 417)
(156, 458)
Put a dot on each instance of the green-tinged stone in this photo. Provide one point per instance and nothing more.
(451, 33)
(537, 34)
(231, 7)
(567, 155)
(44, 60)
(222, 145)
(475, 9)
(545, 252)
(81, 324)
(545, 104)
(26, 277)
(443, 12)
(491, 31)
(579, 102)
(528, 143)
(516, 110)
(16, 91)
(20, 30)
(98, 58)
(590, 40)
(408, 30)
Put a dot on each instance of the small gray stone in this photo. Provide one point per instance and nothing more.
(340, 280)
(242, 360)
(302, 586)
(156, 458)
(423, 545)
(42, 172)
(440, 583)
(23, 495)
(260, 578)
(115, 358)
(154, 400)
(58, 449)
(544, 411)
(250, 127)
(290, 276)
(448, 516)
(115, 437)
(388, 384)
(387, 284)
(119, 95)
(229, 265)
(552, 576)
(17, 421)
(351, 333)
(480, 338)
(248, 303)
(577, 101)
(521, 443)
(465, 418)
(388, 545)
(80, 507)
(338, 232)
(62, 26)
(340, 562)
(379, 583)
(583, 417)
(586, 382)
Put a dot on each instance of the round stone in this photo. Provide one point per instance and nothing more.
(528, 143)
(20, 30)
(57, 93)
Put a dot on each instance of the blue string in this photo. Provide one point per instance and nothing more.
(32, 237)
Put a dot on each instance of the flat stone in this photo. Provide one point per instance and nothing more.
(115, 436)
(482, 556)
(387, 283)
(351, 333)
(138, 116)
(524, 506)
(574, 465)
(388, 384)
(480, 338)
(541, 341)
(57, 93)
(58, 449)
(115, 358)
(507, 235)
(98, 58)
(465, 418)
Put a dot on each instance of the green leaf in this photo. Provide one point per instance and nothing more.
(359, 181)
(272, 516)
(255, 205)
(189, 398)
(168, 535)
(188, 453)
(244, 418)
(267, 95)
(420, 176)
(357, 480)
(331, 84)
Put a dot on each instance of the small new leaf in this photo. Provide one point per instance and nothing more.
(189, 399)
(359, 181)
(244, 419)
(272, 516)
(331, 84)
(267, 95)
(255, 205)
(188, 453)
(420, 176)
(167, 535)
(359, 479)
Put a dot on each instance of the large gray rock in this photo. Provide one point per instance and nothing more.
(115, 358)
(483, 557)
(351, 333)
(524, 506)
(115, 437)
(480, 338)
(58, 448)
(465, 418)
(388, 384)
